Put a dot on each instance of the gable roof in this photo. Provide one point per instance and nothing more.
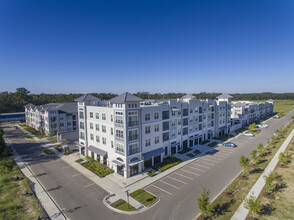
(125, 97)
(224, 96)
(29, 105)
(188, 96)
(86, 97)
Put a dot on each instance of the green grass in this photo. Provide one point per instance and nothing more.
(68, 152)
(151, 173)
(225, 137)
(197, 151)
(48, 151)
(79, 160)
(212, 144)
(58, 147)
(29, 138)
(33, 131)
(143, 197)
(96, 167)
(123, 205)
(240, 188)
(240, 130)
(190, 155)
(167, 163)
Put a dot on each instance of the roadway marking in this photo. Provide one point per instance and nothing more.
(89, 185)
(76, 175)
(202, 166)
(211, 164)
(221, 156)
(224, 153)
(169, 184)
(195, 168)
(65, 167)
(161, 189)
(196, 174)
(210, 160)
(176, 179)
(215, 158)
(228, 149)
(184, 176)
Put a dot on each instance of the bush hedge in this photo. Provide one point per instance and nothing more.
(168, 163)
(97, 168)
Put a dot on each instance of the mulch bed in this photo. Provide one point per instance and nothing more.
(283, 166)
(241, 177)
(201, 218)
(270, 196)
(231, 195)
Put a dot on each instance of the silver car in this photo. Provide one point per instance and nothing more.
(229, 144)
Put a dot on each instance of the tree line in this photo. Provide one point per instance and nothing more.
(15, 101)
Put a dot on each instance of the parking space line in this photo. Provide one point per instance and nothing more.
(76, 175)
(209, 160)
(89, 185)
(201, 166)
(212, 164)
(161, 189)
(196, 174)
(184, 176)
(176, 179)
(195, 168)
(215, 158)
(169, 184)
(223, 153)
(65, 167)
(222, 156)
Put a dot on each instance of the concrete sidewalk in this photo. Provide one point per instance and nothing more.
(242, 212)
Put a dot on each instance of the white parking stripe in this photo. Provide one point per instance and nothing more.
(195, 169)
(176, 179)
(201, 166)
(161, 189)
(169, 184)
(223, 153)
(184, 176)
(76, 175)
(89, 185)
(213, 161)
(221, 156)
(65, 167)
(196, 174)
(205, 162)
(215, 158)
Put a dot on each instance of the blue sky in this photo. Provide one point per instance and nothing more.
(194, 46)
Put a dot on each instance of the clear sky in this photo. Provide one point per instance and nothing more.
(161, 46)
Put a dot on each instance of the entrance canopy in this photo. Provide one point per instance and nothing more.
(153, 153)
(97, 150)
(118, 163)
(135, 162)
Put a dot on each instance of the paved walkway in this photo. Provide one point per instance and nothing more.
(242, 212)
(48, 203)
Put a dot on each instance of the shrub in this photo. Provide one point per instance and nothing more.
(48, 151)
(57, 147)
(197, 152)
(79, 160)
(68, 152)
(190, 155)
(96, 167)
(204, 142)
(170, 162)
(212, 144)
(151, 173)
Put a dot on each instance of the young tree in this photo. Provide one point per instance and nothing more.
(269, 185)
(203, 203)
(282, 158)
(253, 205)
(244, 163)
(260, 149)
(252, 127)
(254, 156)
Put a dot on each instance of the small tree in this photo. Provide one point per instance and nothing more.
(254, 156)
(244, 163)
(203, 203)
(269, 185)
(260, 149)
(253, 205)
(252, 127)
(282, 158)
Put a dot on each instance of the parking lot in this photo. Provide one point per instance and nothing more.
(171, 184)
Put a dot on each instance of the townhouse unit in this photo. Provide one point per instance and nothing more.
(245, 112)
(129, 134)
(53, 117)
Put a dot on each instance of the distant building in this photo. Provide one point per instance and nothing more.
(16, 116)
(52, 117)
(129, 134)
(245, 112)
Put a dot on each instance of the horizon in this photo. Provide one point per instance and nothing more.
(55, 47)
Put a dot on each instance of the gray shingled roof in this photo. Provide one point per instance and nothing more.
(188, 96)
(64, 107)
(29, 105)
(239, 104)
(86, 97)
(224, 96)
(125, 97)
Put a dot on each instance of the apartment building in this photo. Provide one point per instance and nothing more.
(129, 134)
(245, 112)
(53, 117)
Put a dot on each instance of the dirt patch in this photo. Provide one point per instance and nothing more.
(279, 179)
(241, 177)
(268, 196)
(251, 218)
(253, 165)
(283, 166)
(201, 218)
(228, 195)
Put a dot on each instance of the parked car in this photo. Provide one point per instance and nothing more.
(262, 126)
(249, 134)
(276, 116)
(265, 125)
(229, 144)
(15, 127)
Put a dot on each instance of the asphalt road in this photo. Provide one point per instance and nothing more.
(178, 192)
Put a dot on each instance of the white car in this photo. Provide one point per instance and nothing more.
(276, 116)
(265, 125)
(262, 126)
(249, 134)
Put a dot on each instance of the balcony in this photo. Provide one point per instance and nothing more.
(133, 123)
(119, 138)
(119, 123)
(133, 137)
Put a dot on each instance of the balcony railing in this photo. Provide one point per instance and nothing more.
(119, 138)
(119, 123)
(133, 137)
(133, 123)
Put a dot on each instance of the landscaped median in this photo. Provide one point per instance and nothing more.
(225, 205)
(143, 197)
(123, 206)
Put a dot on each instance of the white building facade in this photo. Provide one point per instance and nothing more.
(129, 134)
(53, 117)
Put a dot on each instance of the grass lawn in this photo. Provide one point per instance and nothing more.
(29, 138)
(282, 206)
(123, 205)
(167, 163)
(96, 167)
(240, 130)
(33, 131)
(225, 137)
(212, 144)
(224, 207)
(143, 197)
(48, 151)
(58, 147)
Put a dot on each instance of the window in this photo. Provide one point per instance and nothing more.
(119, 117)
(119, 147)
(97, 127)
(173, 123)
(119, 133)
(196, 128)
(147, 142)
(179, 131)
(133, 135)
(97, 115)
(111, 131)
(103, 128)
(147, 117)
(104, 140)
(156, 115)
(156, 140)
(82, 135)
(97, 139)
(133, 149)
(191, 110)
(111, 118)
(191, 128)
(91, 114)
(82, 125)
(91, 125)
(111, 144)
(179, 121)
(191, 119)
(92, 137)
(147, 130)
(103, 116)
(156, 128)
(173, 133)
(81, 115)
(173, 113)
